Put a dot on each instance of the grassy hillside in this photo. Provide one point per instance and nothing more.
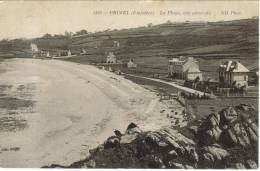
(210, 42)
(21, 47)
(152, 46)
(14, 48)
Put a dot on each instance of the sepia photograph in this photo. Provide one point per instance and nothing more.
(129, 84)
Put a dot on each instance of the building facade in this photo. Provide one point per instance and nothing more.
(233, 73)
(69, 53)
(111, 58)
(131, 64)
(34, 47)
(186, 68)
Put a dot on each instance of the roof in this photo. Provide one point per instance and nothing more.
(253, 67)
(193, 69)
(181, 59)
(176, 60)
(232, 66)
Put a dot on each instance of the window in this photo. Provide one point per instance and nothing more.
(245, 78)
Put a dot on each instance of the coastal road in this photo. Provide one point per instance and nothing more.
(181, 88)
(76, 107)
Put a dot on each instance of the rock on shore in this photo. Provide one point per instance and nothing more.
(228, 139)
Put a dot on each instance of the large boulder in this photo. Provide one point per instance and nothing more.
(229, 127)
(156, 162)
(213, 156)
(111, 142)
(239, 166)
(242, 133)
(172, 154)
(228, 139)
(131, 133)
(90, 164)
(253, 126)
(251, 134)
(117, 133)
(228, 116)
(209, 131)
(128, 138)
(133, 129)
(250, 164)
(176, 140)
(245, 108)
(176, 165)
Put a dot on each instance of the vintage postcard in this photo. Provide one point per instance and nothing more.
(129, 84)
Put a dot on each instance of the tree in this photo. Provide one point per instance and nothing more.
(68, 34)
(168, 22)
(5, 40)
(196, 80)
(47, 35)
(149, 24)
(81, 32)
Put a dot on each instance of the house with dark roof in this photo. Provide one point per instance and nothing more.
(233, 73)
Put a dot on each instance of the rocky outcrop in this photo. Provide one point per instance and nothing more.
(234, 131)
(228, 139)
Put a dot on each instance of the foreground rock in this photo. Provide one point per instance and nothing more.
(228, 139)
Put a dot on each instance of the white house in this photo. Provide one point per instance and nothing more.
(131, 64)
(233, 73)
(186, 68)
(192, 73)
(48, 54)
(116, 44)
(111, 58)
(69, 53)
(34, 47)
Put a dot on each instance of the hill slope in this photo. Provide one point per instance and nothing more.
(153, 45)
(232, 38)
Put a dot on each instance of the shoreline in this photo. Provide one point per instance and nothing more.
(173, 139)
(56, 79)
(189, 147)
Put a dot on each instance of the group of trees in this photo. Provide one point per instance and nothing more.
(66, 34)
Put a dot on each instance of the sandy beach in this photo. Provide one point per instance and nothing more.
(67, 109)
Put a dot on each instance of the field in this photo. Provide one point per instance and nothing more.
(153, 85)
(152, 47)
(202, 108)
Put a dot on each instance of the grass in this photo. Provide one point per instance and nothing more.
(156, 86)
(151, 47)
(202, 108)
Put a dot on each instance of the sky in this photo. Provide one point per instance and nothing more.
(29, 19)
